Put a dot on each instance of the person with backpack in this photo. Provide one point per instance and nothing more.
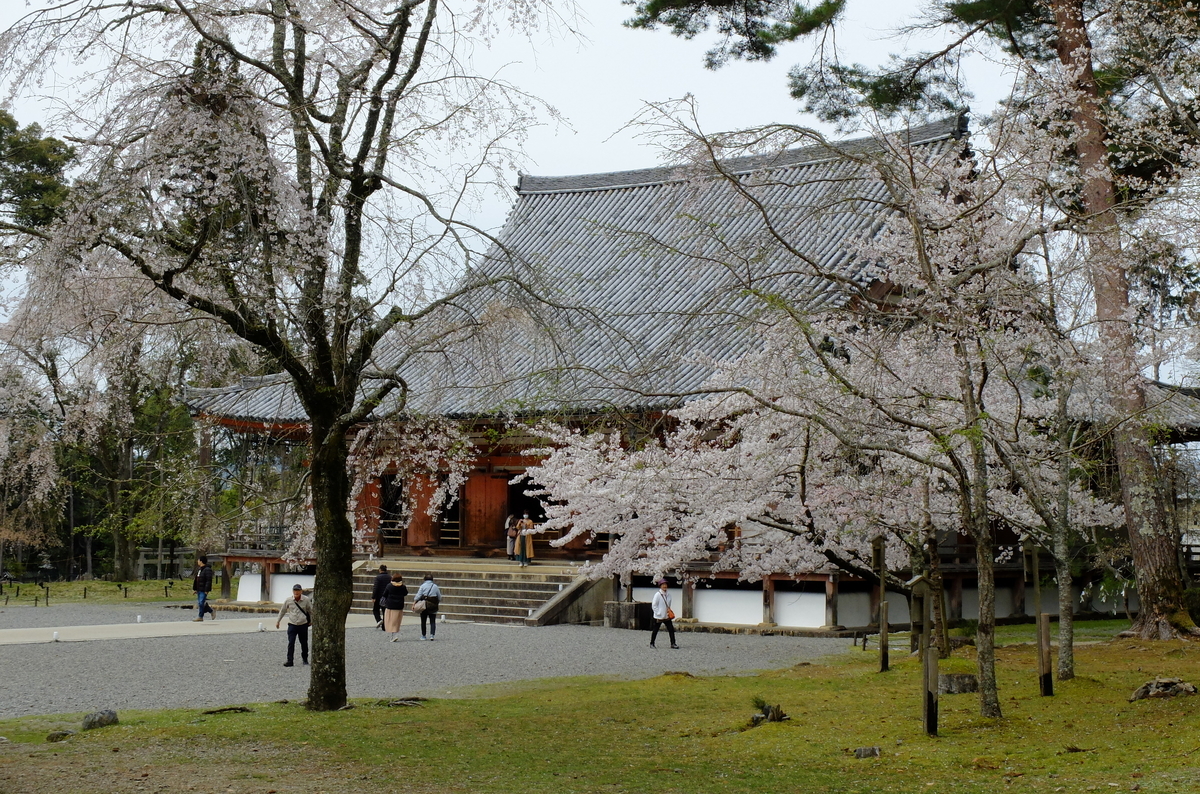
(429, 597)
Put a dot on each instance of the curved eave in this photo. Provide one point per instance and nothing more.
(255, 425)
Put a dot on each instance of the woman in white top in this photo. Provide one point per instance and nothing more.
(660, 605)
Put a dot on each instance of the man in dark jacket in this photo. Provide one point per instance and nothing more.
(381, 582)
(202, 586)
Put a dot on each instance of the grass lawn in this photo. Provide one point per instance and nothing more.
(99, 592)
(674, 733)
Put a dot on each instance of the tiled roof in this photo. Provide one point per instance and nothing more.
(639, 277)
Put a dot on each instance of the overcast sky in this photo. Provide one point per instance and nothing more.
(601, 78)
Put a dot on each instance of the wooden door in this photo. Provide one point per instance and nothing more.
(485, 506)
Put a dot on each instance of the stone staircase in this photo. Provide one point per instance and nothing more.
(479, 591)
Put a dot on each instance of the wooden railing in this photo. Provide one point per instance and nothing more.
(262, 538)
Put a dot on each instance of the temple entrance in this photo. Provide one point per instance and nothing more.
(519, 501)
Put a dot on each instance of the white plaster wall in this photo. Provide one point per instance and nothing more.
(249, 587)
(281, 584)
(647, 593)
(743, 607)
(854, 609)
(800, 610)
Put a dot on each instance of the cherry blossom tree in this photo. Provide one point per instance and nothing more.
(915, 405)
(298, 173)
(1118, 81)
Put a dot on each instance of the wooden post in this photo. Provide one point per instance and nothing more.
(1018, 598)
(1034, 574)
(1045, 671)
(831, 602)
(687, 609)
(768, 611)
(226, 580)
(879, 567)
(930, 668)
(883, 637)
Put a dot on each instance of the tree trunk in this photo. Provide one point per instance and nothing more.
(974, 501)
(333, 587)
(1066, 614)
(1060, 540)
(1163, 614)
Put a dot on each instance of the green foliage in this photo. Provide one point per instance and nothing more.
(31, 172)
(750, 29)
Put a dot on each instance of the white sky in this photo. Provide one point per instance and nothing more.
(600, 79)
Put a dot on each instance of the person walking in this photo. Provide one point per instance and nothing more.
(298, 611)
(382, 580)
(431, 596)
(660, 605)
(392, 602)
(525, 540)
(202, 585)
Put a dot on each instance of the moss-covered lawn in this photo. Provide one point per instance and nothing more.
(99, 592)
(673, 733)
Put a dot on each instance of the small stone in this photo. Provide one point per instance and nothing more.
(3, 740)
(867, 752)
(59, 736)
(99, 719)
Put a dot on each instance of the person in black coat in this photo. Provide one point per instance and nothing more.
(392, 602)
(202, 586)
(382, 580)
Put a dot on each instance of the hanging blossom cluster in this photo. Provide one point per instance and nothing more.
(432, 456)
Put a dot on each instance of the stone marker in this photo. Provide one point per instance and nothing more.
(867, 752)
(99, 719)
(59, 736)
(957, 683)
(1163, 688)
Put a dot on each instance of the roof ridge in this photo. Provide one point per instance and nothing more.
(943, 129)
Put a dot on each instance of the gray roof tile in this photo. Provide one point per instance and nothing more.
(640, 273)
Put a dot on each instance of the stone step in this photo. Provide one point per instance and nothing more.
(465, 603)
(478, 591)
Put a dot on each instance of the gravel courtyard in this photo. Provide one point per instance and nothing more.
(226, 669)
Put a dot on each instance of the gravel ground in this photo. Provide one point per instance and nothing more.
(221, 670)
(29, 617)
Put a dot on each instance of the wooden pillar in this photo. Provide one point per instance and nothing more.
(884, 662)
(265, 593)
(879, 567)
(831, 602)
(688, 608)
(226, 579)
(768, 612)
(956, 595)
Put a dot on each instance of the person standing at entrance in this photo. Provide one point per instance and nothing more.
(524, 540)
(392, 602)
(431, 596)
(298, 611)
(382, 580)
(202, 586)
(660, 605)
(510, 536)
